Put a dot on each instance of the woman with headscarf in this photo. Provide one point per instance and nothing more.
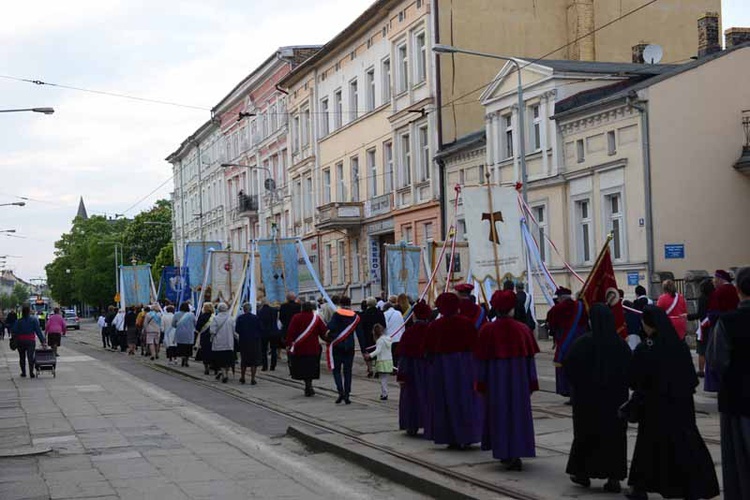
(670, 457)
(222, 342)
(506, 378)
(413, 407)
(152, 329)
(597, 367)
(184, 332)
(456, 408)
(203, 334)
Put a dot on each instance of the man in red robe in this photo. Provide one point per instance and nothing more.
(456, 408)
(506, 378)
(723, 299)
(566, 321)
(468, 306)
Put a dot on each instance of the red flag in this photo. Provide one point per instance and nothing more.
(601, 286)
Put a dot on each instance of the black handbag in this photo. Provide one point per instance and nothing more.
(13, 343)
(632, 409)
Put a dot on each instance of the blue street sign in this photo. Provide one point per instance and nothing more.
(633, 279)
(674, 251)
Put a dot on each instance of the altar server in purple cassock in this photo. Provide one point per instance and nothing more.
(413, 407)
(456, 407)
(506, 378)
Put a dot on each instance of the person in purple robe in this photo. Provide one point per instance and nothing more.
(412, 374)
(567, 320)
(455, 407)
(506, 378)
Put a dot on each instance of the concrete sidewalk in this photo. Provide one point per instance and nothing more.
(117, 436)
(376, 422)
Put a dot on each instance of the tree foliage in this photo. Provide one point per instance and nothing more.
(84, 267)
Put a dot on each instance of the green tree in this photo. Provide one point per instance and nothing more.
(165, 257)
(19, 295)
(148, 233)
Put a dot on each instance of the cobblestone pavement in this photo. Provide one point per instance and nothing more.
(368, 418)
(115, 435)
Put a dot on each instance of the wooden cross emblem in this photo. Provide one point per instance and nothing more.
(493, 218)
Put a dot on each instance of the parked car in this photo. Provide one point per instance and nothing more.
(71, 319)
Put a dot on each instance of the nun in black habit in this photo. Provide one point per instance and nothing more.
(670, 457)
(597, 367)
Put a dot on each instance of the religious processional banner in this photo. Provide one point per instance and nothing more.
(135, 285)
(460, 264)
(176, 284)
(196, 257)
(493, 219)
(226, 275)
(279, 267)
(402, 264)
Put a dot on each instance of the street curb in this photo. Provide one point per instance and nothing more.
(29, 451)
(392, 468)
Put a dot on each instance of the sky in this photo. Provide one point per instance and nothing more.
(111, 150)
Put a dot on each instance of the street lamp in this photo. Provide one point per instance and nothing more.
(15, 204)
(449, 49)
(7, 230)
(44, 111)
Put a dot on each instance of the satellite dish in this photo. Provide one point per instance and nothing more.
(270, 184)
(652, 54)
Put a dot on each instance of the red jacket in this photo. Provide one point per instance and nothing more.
(309, 346)
(678, 315)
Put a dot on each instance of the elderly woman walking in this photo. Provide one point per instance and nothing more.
(23, 334)
(184, 328)
(222, 342)
(203, 335)
(152, 328)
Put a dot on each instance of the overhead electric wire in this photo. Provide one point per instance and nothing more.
(105, 92)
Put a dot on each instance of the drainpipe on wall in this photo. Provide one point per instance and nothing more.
(642, 107)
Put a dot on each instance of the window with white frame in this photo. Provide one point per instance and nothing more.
(536, 127)
(355, 260)
(372, 170)
(424, 154)
(407, 234)
(305, 127)
(402, 59)
(508, 137)
(307, 195)
(386, 80)
(482, 176)
(295, 133)
(427, 231)
(341, 258)
(611, 143)
(388, 165)
(340, 183)
(328, 264)
(540, 214)
(354, 174)
(584, 230)
(580, 151)
(297, 201)
(370, 89)
(615, 224)
(264, 124)
(338, 109)
(274, 118)
(353, 99)
(325, 124)
(404, 174)
(420, 56)
(327, 185)
(460, 230)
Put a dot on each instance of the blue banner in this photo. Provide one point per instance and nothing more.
(403, 269)
(196, 257)
(135, 285)
(175, 282)
(279, 268)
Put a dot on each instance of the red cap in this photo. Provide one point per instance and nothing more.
(503, 301)
(464, 288)
(720, 273)
(447, 303)
(422, 311)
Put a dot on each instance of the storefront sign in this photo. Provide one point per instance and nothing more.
(374, 252)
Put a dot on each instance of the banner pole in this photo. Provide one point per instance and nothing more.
(493, 229)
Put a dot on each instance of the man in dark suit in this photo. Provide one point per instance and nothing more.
(524, 303)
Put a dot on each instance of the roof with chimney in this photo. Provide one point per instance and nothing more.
(81, 210)
(620, 91)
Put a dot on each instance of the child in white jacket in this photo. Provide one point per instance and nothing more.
(384, 363)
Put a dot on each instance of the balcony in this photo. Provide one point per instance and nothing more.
(247, 206)
(340, 215)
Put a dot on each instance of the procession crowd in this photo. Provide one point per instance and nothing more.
(467, 371)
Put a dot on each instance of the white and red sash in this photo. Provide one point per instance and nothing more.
(674, 303)
(342, 337)
(306, 333)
